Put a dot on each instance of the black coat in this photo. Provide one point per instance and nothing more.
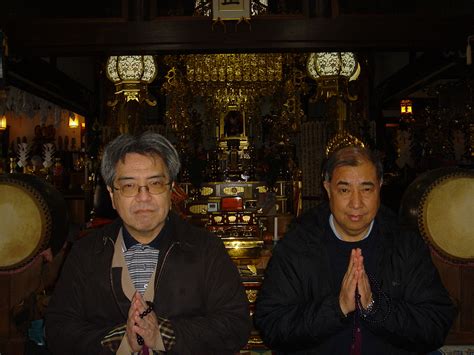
(297, 308)
(198, 289)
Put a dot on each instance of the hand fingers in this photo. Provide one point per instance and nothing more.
(131, 331)
(348, 286)
(147, 327)
(350, 265)
(364, 288)
(358, 258)
(138, 304)
(135, 323)
(139, 300)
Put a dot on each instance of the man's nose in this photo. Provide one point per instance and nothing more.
(143, 192)
(356, 199)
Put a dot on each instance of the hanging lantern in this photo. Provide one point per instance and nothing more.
(406, 107)
(73, 121)
(3, 123)
(131, 75)
(406, 111)
(332, 72)
(333, 63)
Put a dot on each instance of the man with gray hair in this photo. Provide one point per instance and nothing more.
(149, 281)
(347, 279)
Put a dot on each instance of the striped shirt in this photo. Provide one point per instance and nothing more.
(141, 261)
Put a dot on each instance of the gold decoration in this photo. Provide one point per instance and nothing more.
(198, 209)
(206, 191)
(292, 113)
(227, 68)
(243, 248)
(233, 79)
(255, 340)
(246, 219)
(251, 295)
(340, 140)
(233, 190)
(234, 82)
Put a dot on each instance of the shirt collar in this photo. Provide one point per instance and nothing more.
(129, 241)
(333, 227)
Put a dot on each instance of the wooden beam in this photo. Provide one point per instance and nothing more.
(266, 33)
(43, 80)
(431, 66)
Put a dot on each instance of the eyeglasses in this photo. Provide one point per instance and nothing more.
(154, 187)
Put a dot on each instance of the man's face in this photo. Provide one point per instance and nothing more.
(354, 198)
(144, 215)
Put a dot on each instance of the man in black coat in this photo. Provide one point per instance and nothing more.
(150, 281)
(347, 279)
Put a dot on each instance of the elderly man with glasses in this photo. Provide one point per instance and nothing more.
(149, 282)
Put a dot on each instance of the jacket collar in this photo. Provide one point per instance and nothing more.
(118, 261)
(177, 232)
(316, 221)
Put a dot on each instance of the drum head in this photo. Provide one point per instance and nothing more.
(447, 218)
(22, 233)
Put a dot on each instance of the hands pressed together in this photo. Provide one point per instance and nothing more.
(354, 279)
(145, 326)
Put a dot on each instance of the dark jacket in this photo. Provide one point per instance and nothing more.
(297, 308)
(198, 288)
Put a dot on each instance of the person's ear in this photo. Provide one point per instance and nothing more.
(327, 187)
(111, 194)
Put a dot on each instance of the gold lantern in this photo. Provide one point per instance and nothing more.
(131, 75)
(332, 72)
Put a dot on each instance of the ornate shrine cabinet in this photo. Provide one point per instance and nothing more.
(234, 119)
(244, 215)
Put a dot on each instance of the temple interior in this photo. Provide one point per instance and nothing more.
(254, 94)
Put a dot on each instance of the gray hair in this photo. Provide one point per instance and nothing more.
(147, 143)
(352, 156)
